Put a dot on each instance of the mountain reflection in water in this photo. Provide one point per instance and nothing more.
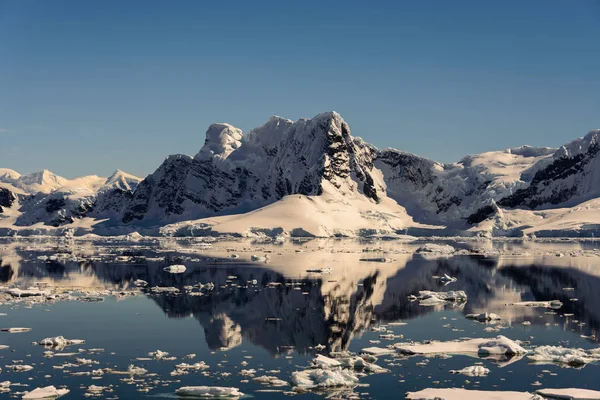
(302, 310)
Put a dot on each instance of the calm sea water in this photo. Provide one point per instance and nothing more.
(275, 324)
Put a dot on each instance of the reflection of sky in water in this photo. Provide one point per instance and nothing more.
(337, 310)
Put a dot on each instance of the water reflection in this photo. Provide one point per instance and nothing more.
(289, 307)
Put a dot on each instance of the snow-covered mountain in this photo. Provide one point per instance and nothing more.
(43, 197)
(312, 177)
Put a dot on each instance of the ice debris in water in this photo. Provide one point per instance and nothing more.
(323, 378)
(161, 355)
(542, 304)
(48, 392)
(432, 248)
(59, 342)
(16, 330)
(484, 317)
(563, 355)
(428, 298)
(212, 392)
(465, 394)
(481, 346)
(475, 370)
(175, 269)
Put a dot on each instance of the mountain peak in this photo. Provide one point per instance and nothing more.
(221, 140)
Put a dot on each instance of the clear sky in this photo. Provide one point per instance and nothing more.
(90, 86)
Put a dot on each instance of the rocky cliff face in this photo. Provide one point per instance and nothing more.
(570, 176)
(234, 173)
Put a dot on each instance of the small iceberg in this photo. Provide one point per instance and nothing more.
(563, 355)
(475, 370)
(48, 392)
(484, 317)
(323, 378)
(175, 269)
(555, 304)
(429, 298)
(482, 347)
(209, 392)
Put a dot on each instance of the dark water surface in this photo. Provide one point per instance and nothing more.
(275, 323)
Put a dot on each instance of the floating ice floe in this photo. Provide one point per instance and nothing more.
(16, 330)
(446, 279)
(210, 392)
(563, 355)
(480, 346)
(378, 351)
(270, 380)
(175, 269)
(429, 298)
(570, 394)
(484, 317)
(16, 292)
(323, 378)
(48, 392)
(475, 370)
(59, 342)
(140, 283)
(353, 362)
(20, 367)
(433, 248)
(264, 258)
(161, 289)
(464, 394)
(161, 355)
(556, 304)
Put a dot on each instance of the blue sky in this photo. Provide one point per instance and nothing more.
(90, 86)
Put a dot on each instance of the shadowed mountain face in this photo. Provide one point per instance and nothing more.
(276, 311)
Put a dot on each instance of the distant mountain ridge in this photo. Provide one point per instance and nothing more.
(234, 176)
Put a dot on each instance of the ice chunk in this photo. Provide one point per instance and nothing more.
(20, 367)
(563, 355)
(59, 342)
(429, 298)
(48, 392)
(432, 248)
(543, 304)
(16, 330)
(211, 392)
(323, 378)
(175, 269)
(570, 394)
(484, 317)
(26, 292)
(498, 346)
(475, 370)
